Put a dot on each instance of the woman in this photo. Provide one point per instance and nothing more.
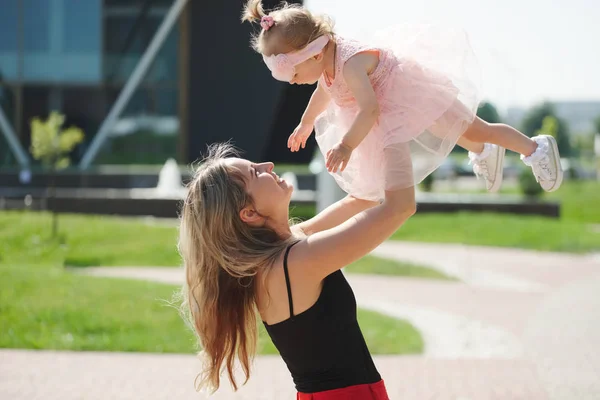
(243, 260)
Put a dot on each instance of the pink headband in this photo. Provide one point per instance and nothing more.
(282, 66)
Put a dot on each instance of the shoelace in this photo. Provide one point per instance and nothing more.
(543, 169)
(480, 168)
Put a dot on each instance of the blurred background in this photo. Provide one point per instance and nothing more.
(105, 105)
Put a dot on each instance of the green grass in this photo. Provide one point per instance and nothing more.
(573, 232)
(487, 229)
(87, 241)
(381, 266)
(109, 241)
(578, 199)
(566, 234)
(302, 211)
(386, 335)
(44, 307)
(295, 168)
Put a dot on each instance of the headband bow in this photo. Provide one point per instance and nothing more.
(282, 66)
(266, 22)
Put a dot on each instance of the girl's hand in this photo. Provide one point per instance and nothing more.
(338, 157)
(299, 136)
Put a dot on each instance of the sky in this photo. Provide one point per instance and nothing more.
(528, 50)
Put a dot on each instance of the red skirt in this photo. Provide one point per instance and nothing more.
(372, 391)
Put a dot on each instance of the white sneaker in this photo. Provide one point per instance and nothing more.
(489, 165)
(545, 163)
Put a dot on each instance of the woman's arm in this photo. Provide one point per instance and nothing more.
(334, 215)
(327, 251)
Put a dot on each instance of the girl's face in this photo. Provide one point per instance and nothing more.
(309, 71)
(306, 72)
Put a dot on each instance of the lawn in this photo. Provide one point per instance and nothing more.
(575, 231)
(578, 199)
(109, 241)
(486, 229)
(381, 266)
(45, 307)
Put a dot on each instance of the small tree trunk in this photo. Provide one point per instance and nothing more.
(52, 201)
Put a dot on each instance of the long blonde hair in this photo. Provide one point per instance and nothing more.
(222, 255)
(294, 24)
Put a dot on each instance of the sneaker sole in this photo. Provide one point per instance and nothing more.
(559, 171)
(499, 174)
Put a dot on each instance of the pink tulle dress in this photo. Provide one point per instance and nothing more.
(426, 84)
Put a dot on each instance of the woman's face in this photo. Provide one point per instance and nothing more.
(271, 195)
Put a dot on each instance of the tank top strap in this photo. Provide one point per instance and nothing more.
(287, 278)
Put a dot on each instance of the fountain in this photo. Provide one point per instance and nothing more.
(328, 191)
(169, 181)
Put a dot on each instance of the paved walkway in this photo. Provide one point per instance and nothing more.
(519, 325)
(121, 376)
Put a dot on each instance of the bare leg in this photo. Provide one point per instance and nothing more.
(474, 147)
(500, 134)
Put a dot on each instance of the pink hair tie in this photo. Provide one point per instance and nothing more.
(266, 22)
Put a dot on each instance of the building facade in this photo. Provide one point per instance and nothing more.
(203, 85)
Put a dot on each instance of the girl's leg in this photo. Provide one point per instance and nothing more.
(540, 152)
(466, 144)
(487, 160)
(500, 134)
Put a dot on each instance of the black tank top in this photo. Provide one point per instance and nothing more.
(323, 347)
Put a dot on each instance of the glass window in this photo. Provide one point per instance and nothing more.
(128, 33)
(82, 30)
(38, 17)
(62, 41)
(8, 40)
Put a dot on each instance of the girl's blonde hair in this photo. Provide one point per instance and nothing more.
(222, 255)
(293, 24)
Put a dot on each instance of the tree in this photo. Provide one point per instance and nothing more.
(534, 120)
(488, 113)
(52, 146)
(549, 127)
(597, 125)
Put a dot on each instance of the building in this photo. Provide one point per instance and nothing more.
(203, 84)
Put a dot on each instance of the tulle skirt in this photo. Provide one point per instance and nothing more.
(427, 101)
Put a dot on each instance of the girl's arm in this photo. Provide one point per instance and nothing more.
(356, 74)
(317, 104)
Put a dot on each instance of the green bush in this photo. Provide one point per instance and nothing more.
(142, 147)
(528, 185)
(427, 183)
